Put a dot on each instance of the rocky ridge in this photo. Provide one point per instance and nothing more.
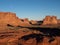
(12, 19)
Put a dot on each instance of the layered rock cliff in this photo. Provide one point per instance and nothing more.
(12, 19)
(50, 20)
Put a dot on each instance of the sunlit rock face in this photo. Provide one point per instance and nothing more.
(50, 20)
(33, 22)
(58, 21)
(25, 22)
(11, 18)
(54, 20)
(46, 20)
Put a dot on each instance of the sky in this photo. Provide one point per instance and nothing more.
(32, 9)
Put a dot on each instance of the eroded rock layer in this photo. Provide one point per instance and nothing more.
(50, 20)
(11, 18)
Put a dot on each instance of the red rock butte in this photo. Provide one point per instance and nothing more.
(50, 20)
(12, 19)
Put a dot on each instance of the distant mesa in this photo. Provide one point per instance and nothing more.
(50, 20)
(12, 19)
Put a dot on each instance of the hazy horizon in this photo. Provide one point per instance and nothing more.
(32, 9)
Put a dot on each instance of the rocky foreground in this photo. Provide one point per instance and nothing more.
(16, 31)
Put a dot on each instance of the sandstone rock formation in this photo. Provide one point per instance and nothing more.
(15, 34)
(50, 20)
(33, 22)
(26, 22)
(58, 21)
(11, 18)
(54, 20)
